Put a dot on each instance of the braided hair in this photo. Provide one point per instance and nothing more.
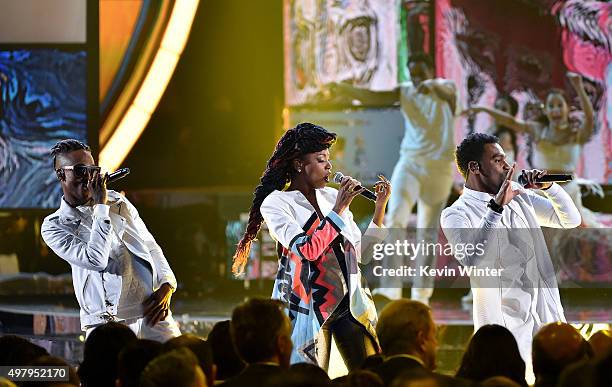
(303, 139)
(67, 146)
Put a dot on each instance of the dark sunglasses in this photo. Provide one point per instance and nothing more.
(83, 171)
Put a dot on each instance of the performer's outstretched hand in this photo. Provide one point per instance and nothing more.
(575, 79)
(506, 193)
(156, 307)
(471, 110)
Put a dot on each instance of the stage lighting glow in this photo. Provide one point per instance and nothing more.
(155, 82)
(587, 330)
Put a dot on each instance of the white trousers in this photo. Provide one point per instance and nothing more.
(162, 331)
(426, 184)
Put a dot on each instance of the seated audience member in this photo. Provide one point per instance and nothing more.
(310, 371)
(362, 378)
(200, 348)
(133, 359)
(601, 342)
(372, 362)
(418, 378)
(596, 372)
(102, 347)
(261, 333)
(73, 378)
(224, 354)
(291, 380)
(556, 346)
(178, 367)
(492, 351)
(407, 335)
(19, 351)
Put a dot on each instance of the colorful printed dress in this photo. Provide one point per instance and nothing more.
(310, 280)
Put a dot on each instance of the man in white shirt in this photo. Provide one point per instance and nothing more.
(119, 272)
(423, 174)
(504, 219)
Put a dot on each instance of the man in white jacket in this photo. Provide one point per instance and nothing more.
(119, 272)
(504, 219)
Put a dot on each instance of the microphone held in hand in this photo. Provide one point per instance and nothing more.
(366, 193)
(118, 174)
(552, 178)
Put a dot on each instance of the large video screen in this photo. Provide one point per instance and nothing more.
(43, 98)
(524, 49)
(351, 41)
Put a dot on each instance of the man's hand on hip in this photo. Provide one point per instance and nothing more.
(157, 306)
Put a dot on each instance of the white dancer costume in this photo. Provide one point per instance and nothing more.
(423, 175)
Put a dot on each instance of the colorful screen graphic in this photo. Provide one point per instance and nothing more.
(352, 41)
(43, 99)
(524, 49)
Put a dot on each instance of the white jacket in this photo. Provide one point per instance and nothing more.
(310, 280)
(526, 295)
(86, 243)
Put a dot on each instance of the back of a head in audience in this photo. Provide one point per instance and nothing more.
(102, 347)
(596, 372)
(417, 378)
(601, 342)
(178, 367)
(492, 351)
(224, 354)
(200, 348)
(556, 346)
(363, 378)
(133, 358)
(407, 327)
(310, 372)
(73, 378)
(261, 332)
(290, 380)
(499, 381)
(19, 351)
(372, 362)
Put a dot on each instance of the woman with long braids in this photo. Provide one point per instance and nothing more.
(319, 247)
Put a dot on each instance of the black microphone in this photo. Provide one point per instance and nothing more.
(366, 193)
(552, 178)
(118, 174)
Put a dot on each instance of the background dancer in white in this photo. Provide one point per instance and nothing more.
(423, 174)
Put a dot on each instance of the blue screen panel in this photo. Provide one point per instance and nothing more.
(43, 99)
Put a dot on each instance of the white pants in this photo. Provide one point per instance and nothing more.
(162, 331)
(427, 184)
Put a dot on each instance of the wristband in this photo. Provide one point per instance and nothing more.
(495, 207)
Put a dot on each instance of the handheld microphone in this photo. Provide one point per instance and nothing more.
(118, 174)
(366, 193)
(552, 178)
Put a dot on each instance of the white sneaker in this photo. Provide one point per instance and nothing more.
(390, 293)
(468, 298)
(421, 295)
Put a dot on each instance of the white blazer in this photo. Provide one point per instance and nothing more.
(526, 295)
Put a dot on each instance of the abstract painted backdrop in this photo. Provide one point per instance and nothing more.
(524, 48)
(43, 98)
